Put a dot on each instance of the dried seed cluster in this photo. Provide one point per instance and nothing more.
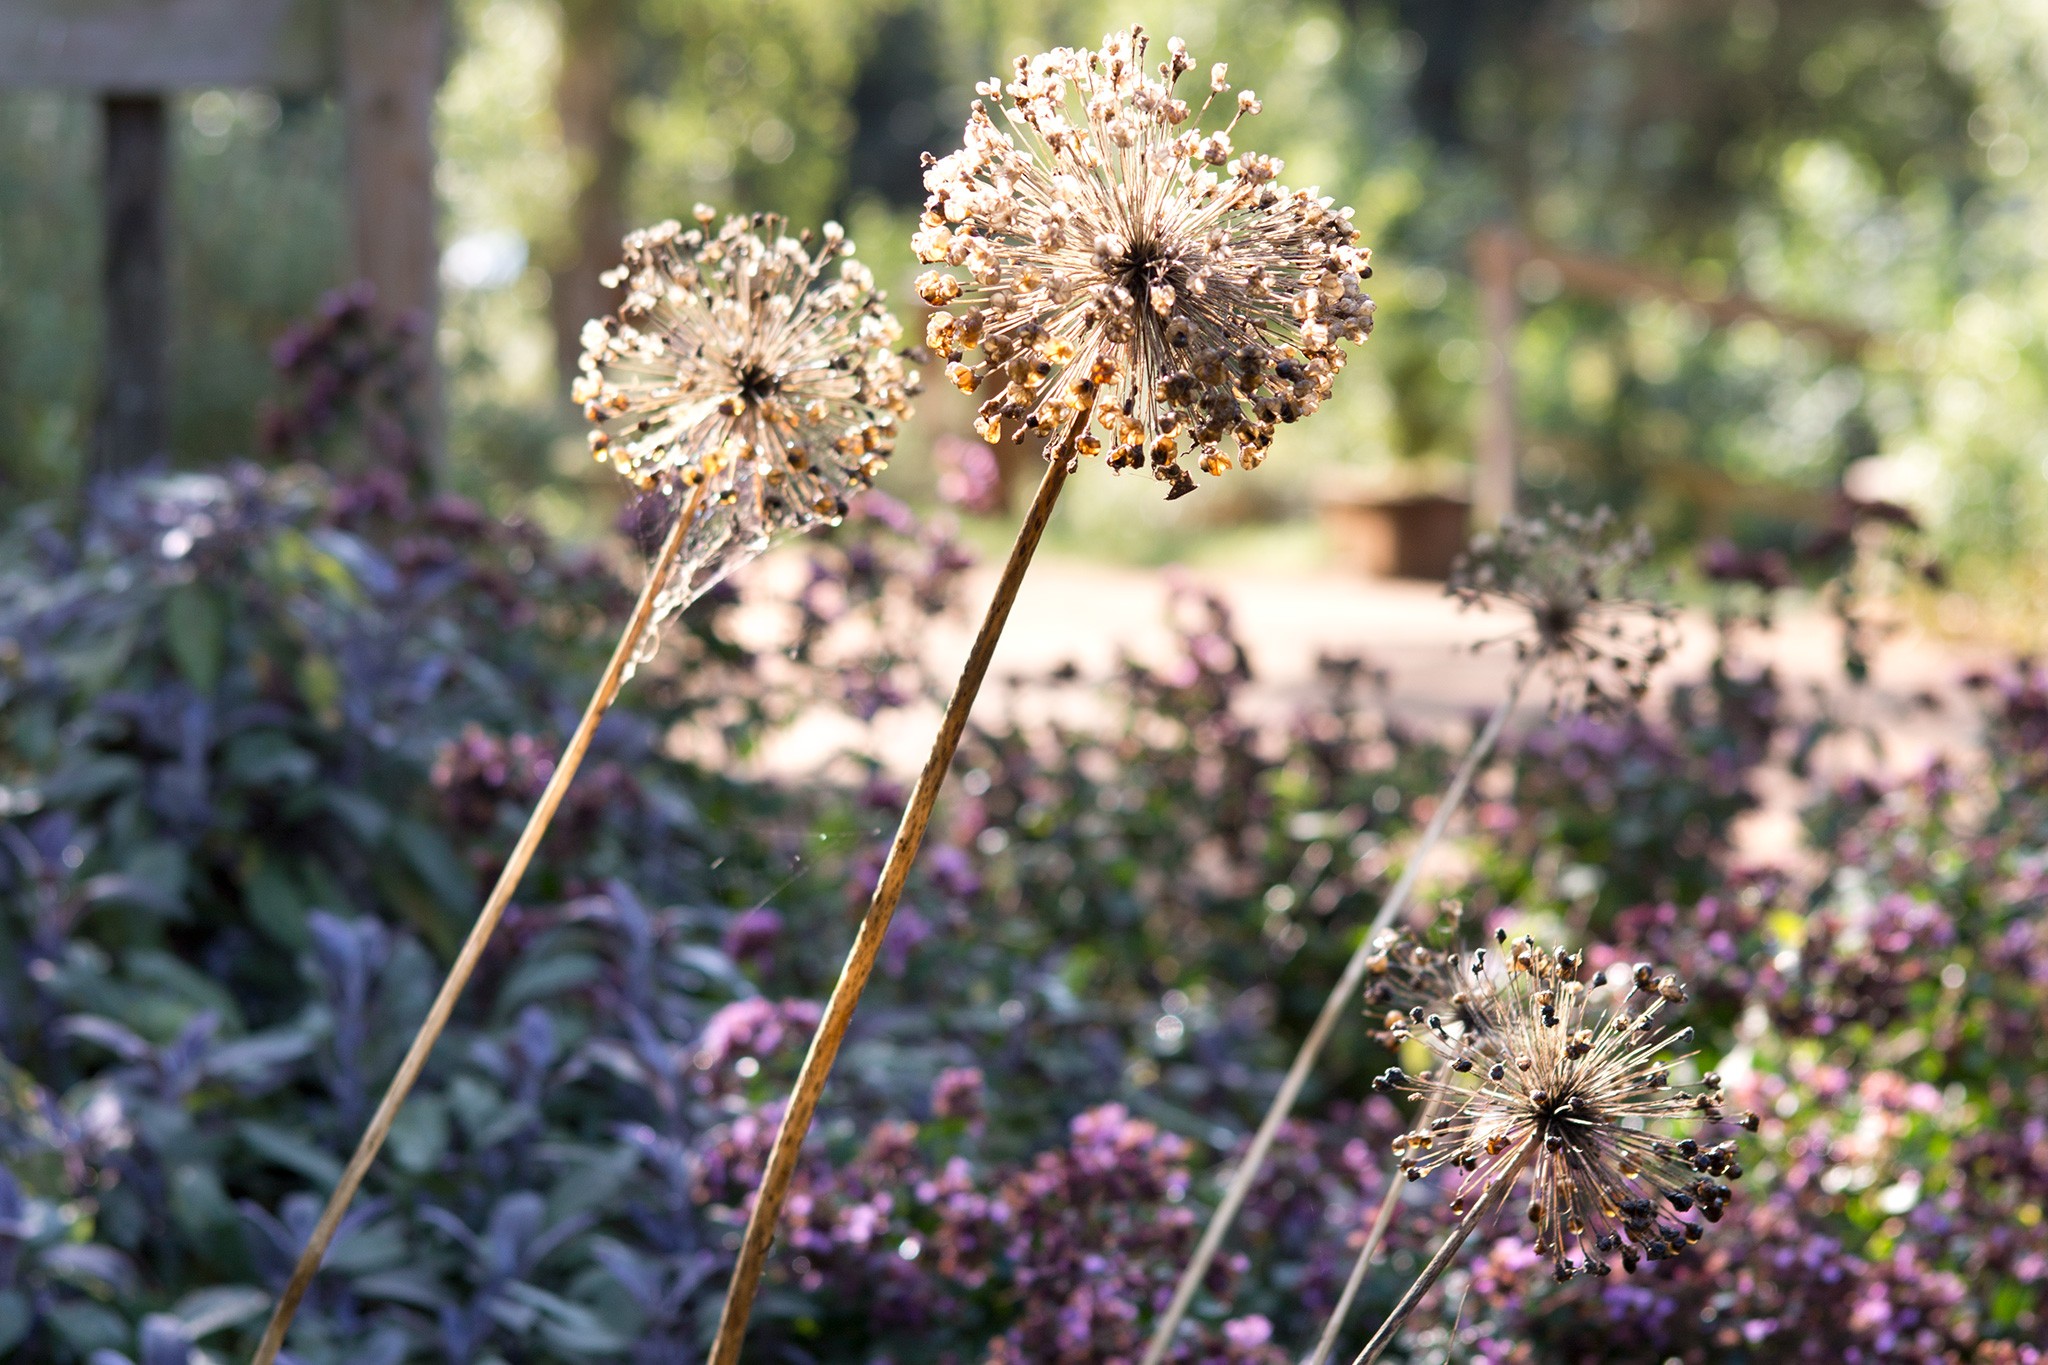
(1403, 975)
(1545, 1081)
(1121, 262)
(743, 357)
(1596, 617)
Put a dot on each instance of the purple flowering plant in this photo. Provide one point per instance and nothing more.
(262, 739)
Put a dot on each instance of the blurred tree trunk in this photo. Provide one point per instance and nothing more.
(134, 421)
(587, 103)
(393, 55)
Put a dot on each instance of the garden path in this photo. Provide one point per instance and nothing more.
(1093, 614)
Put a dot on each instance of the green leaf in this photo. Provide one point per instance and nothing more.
(196, 629)
(429, 855)
(419, 1135)
(404, 1285)
(275, 903)
(199, 1203)
(365, 819)
(206, 1311)
(191, 988)
(89, 778)
(291, 1151)
(15, 1318)
(320, 686)
(94, 664)
(368, 1250)
(324, 890)
(507, 1124)
(262, 758)
(541, 977)
(568, 1327)
(591, 1183)
(86, 1327)
(476, 1106)
(161, 865)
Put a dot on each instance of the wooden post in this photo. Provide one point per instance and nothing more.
(1496, 253)
(586, 102)
(133, 427)
(392, 53)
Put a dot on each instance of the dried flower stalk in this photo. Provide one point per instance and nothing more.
(1488, 1205)
(874, 927)
(751, 392)
(1114, 280)
(1404, 975)
(1597, 630)
(1334, 1007)
(1382, 1219)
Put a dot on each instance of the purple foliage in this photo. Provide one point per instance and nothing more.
(252, 837)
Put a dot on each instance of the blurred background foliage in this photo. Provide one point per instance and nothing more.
(1870, 162)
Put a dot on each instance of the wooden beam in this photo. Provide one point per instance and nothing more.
(1621, 282)
(150, 46)
(1496, 254)
(133, 427)
(392, 56)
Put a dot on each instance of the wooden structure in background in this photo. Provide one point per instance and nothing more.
(1417, 536)
(134, 421)
(1499, 256)
(587, 103)
(384, 56)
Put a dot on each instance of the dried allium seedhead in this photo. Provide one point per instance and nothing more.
(1552, 1084)
(1596, 617)
(744, 361)
(1121, 262)
(1404, 975)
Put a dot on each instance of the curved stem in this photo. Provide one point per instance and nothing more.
(1389, 1201)
(1326, 1024)
(874, 925)
(479, 936)
(1441, 1262)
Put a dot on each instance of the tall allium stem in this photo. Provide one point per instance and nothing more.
(874, 925)
(1503, 1185)
(623, 656)
(1342, 996)
(1389, 1201)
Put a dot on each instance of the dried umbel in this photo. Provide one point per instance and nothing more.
(749, 386)
(1596, 619)
(1403, 975)
(1120, 262)
(1564, 1080)
(759, 366)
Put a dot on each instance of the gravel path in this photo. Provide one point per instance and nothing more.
(1091, 615)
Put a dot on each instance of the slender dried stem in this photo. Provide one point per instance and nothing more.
(479, 936)
(1389, 1201)
(1439, 1263)
(874, 925)
(1340, 999)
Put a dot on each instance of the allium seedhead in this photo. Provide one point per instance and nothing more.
(1404, 975)
(1120, 262)
(1563, 1079)
(1597, 620)
(754, 364)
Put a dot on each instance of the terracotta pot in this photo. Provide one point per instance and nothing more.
(1397, 537)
